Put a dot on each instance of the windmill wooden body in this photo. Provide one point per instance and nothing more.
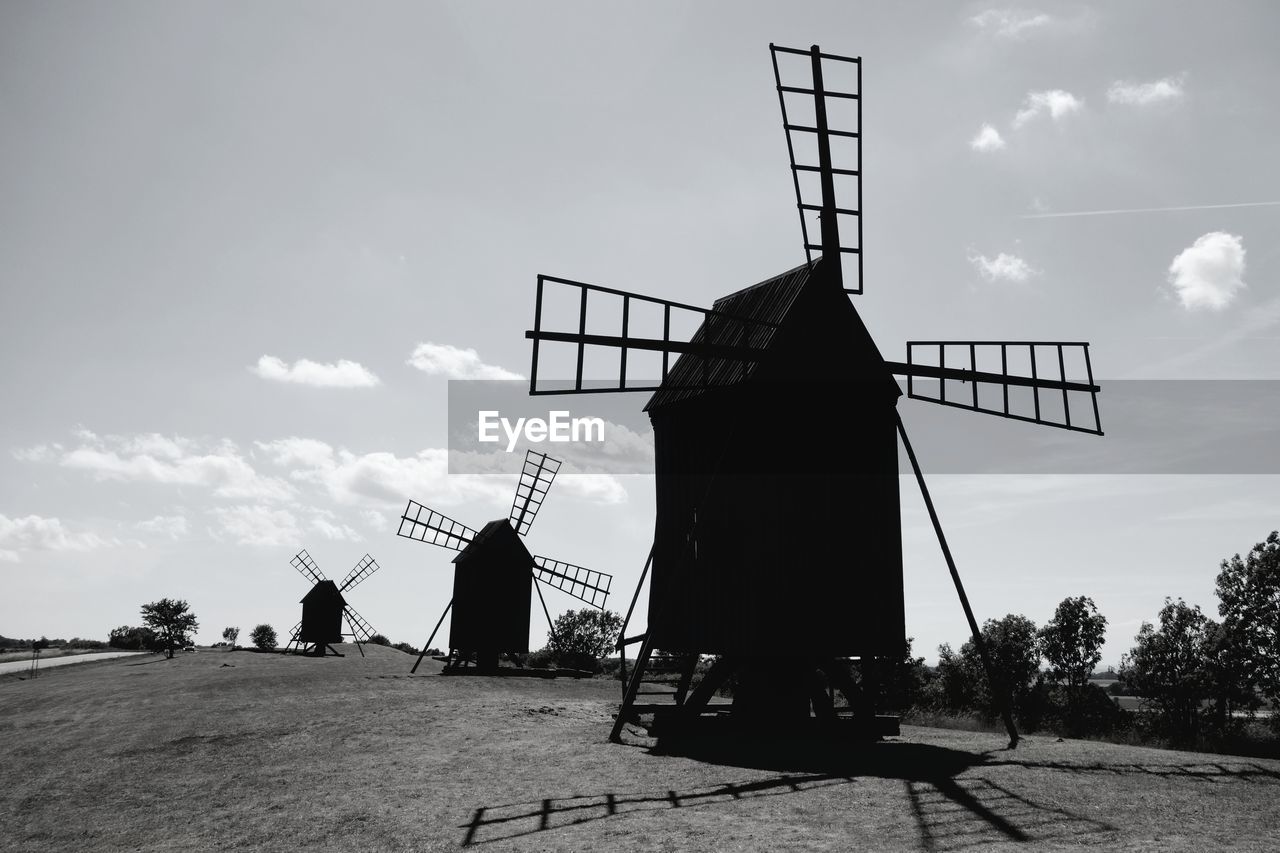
(494, 571)
(770, 534)
(324, 607)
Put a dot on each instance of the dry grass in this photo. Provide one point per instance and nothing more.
(285, 753)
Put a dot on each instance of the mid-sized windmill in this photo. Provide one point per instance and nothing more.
(768, 533)
(324, 607)
(494, 571)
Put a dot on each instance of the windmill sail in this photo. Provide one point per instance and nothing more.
(426, 525)
(1049, 383)
(536, 477)
(366, 567)
(583, 584)
(360, 629)
(307, 567)
(721, 336)
(835, 134)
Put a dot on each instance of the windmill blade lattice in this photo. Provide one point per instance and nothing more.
(366, 567)
(838, 195)
(721, 338)
(583, 584)
(307, 567)
(359, 627)
(1048, 383)
(426, 525)
(536, 477)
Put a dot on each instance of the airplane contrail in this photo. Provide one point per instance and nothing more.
(1148, 210)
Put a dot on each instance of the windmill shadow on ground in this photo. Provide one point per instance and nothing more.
(951, 812)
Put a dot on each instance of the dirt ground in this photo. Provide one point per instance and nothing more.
(243, 751)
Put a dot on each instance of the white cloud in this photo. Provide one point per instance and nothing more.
(1210, 272)
(36, 533)
(1057, 103)
(329, 529)
(173, 526)
(154, 458)
(381, 477)
(376, 520)
(1011, 23)
(1003, 267)
(219, 467)
(1141, 94)
(256, 525)
(455, 363)
(343, 374)
(384, 479)
(38, 453)
(988, 139)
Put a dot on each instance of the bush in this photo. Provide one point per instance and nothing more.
(541, 659)
(379, 640)
(579, 638)
(132, 639)
(263, 637)
(406, 648)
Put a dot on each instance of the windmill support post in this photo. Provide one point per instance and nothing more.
(435, 631)
(622, 632)
(354, 636)
(551, 628)
(997, 684)
(633, 687)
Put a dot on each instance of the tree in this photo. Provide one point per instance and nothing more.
(900, 680)
(172, 621)
(581, 637)
(263, 637)
(1230, 669)
(1015, 656)
(379, 640)
(1166, 665)
(1071, 642)
(133, 639)
(1249, 604)
(955, 683)
(231, 635)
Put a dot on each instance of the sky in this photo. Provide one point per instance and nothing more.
(243, 254)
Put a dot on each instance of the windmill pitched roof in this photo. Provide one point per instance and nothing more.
(325, 589)
(499, 533)
(767, 306)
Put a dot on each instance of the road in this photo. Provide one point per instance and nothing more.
(45, 663)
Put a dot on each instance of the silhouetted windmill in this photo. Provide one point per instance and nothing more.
(494, 571)
(324, 606)
(771, 532)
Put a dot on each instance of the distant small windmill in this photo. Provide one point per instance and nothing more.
(494, 571)
(764, 523)
(324, 606)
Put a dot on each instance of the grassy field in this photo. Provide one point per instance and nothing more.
(221, 751)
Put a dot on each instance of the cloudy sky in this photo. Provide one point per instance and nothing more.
(243, 251)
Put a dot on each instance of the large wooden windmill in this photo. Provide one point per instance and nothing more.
(324, 607)
(771, 533)
(494, 571)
